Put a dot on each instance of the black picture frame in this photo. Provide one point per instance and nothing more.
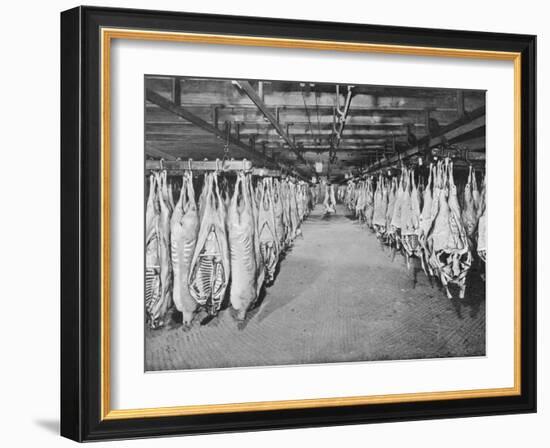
(81, 224)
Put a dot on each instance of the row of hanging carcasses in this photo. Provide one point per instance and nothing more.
(325, 193)
(431, 220)
(229, 242)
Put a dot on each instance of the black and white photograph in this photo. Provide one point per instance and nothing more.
(296, 222)
(280, 223)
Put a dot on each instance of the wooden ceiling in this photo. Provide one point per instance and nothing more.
(293, 123)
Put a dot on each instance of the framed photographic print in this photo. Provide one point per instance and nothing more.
(276, 224)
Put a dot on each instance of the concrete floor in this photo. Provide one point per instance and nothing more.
(339, 296)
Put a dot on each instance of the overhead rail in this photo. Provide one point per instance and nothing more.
(174, 167)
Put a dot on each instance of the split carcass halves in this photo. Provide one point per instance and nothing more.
(210, 268)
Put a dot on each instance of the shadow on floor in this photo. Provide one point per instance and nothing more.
(49, 425)
(299, 281)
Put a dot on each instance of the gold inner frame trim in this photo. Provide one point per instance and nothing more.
(107, 35)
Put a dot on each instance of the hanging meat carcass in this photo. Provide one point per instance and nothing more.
(294, 218)
(308, 199)
(380, 207)
(203, 197)
(305, 200)
(462, 259)
(152, 256)
(269, 245)
(300, 203)
(313, 195)
(476, 196)
(482, 224)
(332, 197)
(258, 191)
(285, 201)
(349, 197)
(171, 197)
(225, 193)
(318, 193)
(425, 222)
(469, 212)
(369, 202)
(482, 237)
(450, 256)
(410, 220)
(341, 193)
(241, 229)
(394, 233)
(165, 192)
(360, 202)
(260, 266)
(157, 308)
(278, 213)
(392, 190)
(330, 201)
(392, 197)
(184, 228)
(210, 267)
